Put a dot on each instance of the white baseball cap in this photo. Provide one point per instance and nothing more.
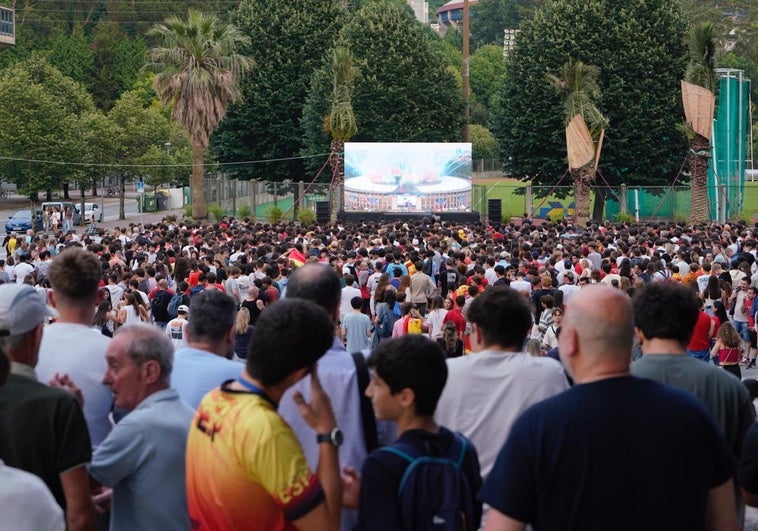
(22, 308)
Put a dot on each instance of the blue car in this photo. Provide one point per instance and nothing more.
(21, 221)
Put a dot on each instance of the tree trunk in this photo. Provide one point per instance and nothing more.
(65, 191)
(582, 177)
(82, 194)
(197, 185)
(121, 192)
(337, 161)
(94, 188)
(698, 164)
(598, 208)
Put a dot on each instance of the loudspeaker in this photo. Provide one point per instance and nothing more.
(322, 212)
(494, 210)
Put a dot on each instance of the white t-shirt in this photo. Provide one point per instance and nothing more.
(79, 351)
(176, 330)
(348, 292)
(28, 505)
(434, 320)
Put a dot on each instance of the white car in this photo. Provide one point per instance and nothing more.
(92, 210)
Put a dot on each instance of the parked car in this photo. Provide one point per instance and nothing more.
(93, 210)
(21, 221)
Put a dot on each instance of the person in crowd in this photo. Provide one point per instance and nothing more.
(589, 437)
(356, 327)
(451, 345)
(665, 315)
(267, 483)
(53, 441)
(141, 462)
(206, 360)
(408, 375)
(69, 346)
(176, 328)
(435, 316)
(243, 331)
(499, 380)
(727, 348)
(338, 376)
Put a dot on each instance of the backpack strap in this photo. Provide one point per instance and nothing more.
(370, 436)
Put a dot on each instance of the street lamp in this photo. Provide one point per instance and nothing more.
(168, 148)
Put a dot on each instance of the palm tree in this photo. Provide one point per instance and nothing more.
(197, 71)
(342, 125)
(578, 82)
(701, 71)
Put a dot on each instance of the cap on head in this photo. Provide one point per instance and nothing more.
(22, 308)
(182, 309)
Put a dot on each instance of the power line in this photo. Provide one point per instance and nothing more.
(117, 165)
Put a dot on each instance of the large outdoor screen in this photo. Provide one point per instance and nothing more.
(407, 177)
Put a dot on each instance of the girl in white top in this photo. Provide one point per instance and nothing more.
(131, 312)
(435, 316)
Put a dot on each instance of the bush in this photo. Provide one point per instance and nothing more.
(244, 211)
(216, 211)
(557, 216)
(306, 216)
(171, 218)
(274, 214)
(624, 217)
(506, 217)
(187, 211)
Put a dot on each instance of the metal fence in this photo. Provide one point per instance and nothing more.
(516, 198)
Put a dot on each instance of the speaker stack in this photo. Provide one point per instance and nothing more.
(495, 210)
(322, 212)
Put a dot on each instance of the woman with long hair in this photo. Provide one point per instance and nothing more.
(405, 286)
(378, 295)
(104, 320)
(435, 316)
(727, 349)
(243, 331)
(131, 311)
(711, 294)
(450, 343)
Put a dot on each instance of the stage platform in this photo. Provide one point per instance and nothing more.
(389, 217)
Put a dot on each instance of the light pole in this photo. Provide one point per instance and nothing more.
(168, 161)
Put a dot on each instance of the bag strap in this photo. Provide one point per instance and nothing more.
(370, 436)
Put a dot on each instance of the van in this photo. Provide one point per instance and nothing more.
(60, 206)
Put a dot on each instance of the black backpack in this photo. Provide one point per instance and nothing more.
(434, 493)
(159, 306)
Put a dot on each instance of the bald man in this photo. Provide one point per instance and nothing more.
(615, 451)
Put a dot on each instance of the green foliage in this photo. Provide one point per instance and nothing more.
(306, 216)
(578, 86)
(483, 143)
(487, 71)
(342, 124)
(187, 211)
(42, 119)
(555, 217)
(72, 56)
(624, 217)
(506, 217)
(490, 17)
(404, 92)
(290, 41)
(244, 211)
(701, 69)
(118, 59)
(639, 45)
(274, 214)
(216, 211)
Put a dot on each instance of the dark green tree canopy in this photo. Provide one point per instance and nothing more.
(404, 92)
(639, 47)
(289, 40)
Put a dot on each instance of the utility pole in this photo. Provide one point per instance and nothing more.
(465, 68)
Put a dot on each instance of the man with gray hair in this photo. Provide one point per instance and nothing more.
(142, 459)
(205, 362)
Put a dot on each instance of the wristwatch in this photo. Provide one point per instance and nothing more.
(334, 437)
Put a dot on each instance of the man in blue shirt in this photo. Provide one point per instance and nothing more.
(142, 459)
(205, 363)
(336, 369)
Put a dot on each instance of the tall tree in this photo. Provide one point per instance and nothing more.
(342, 124)
(701, 71)
(578, 84)
(640, 48)
(198, 69)
(291, 39)
(404, 93)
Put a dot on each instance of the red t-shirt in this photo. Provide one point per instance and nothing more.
(456, 317)
(700, 339)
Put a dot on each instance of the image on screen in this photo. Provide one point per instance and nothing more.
(407, 177)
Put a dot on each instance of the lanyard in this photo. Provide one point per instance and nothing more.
(257, 391)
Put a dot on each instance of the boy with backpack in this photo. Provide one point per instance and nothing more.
(428, 478)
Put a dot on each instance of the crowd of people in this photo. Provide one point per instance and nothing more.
(412, 375)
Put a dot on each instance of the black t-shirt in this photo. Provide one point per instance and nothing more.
(42, 431)
(621, 453)
(748, 469)
(252, 307)
(159, 305)
(379, 507)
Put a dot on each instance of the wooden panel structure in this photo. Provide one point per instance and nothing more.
(699, 104)
(579, 145)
